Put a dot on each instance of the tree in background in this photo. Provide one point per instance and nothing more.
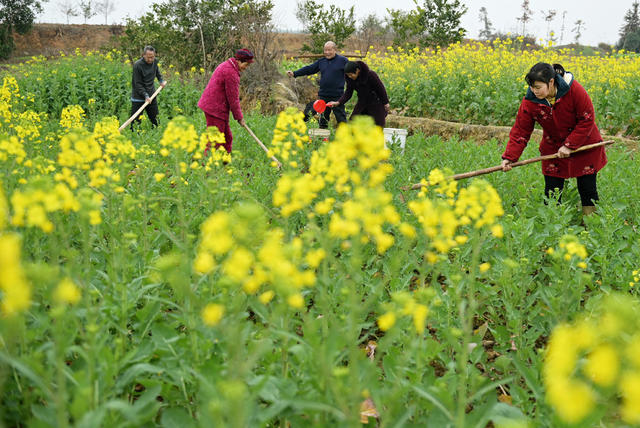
(577, 30)
(630, 31)
(323, 24)
(372, 31)
(199, 33)
(441, 22)
(605, 47)
(525, 17)
(564, 16)
(548, 17)
(87, 9)
(632, 42)
(106, 8)
(68, 9)
(435, 23)
(404, 27)
(15, 15)
(258, 78)
(487, 27)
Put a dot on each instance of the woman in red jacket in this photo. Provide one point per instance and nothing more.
(372, 95)
(222, 95)
(564, 111)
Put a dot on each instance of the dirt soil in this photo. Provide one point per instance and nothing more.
(290, 92)
(478, 133)
(50, 39)
(449, 129)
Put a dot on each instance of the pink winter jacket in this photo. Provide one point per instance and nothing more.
(221, 93)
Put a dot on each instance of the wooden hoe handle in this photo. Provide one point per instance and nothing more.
(273, 158)
(513, 165)
(146, 103)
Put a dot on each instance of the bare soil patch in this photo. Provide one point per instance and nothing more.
(50, 39)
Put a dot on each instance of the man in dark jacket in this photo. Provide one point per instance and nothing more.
(372, 95)
(145, 70)
(331, 68)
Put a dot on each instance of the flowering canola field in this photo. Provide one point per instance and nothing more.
(476, 83)
(144, 284)
(483, 83)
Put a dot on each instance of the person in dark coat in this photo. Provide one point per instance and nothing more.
(564, 110)
(331, 68)
(372, 95)
(145, 71)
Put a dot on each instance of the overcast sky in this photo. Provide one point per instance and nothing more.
(602, 18)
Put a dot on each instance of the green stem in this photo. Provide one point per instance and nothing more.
(145, 221)
(467, 308)
(61, 393)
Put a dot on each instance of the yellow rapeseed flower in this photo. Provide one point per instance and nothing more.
(386, 321)
(572, 399)
(13, 283)
(67, 292)
(296, 301)
(212, 314)
(266, 297)
(315, 257)
(596, 358)
(602, 365)
(420, 313)
(407, 230)
(72, 117)
(497, 231)
(630, 390)
(94, 217)
(203, 263)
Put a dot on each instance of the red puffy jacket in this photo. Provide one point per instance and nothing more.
(222, 92)
(570, 121)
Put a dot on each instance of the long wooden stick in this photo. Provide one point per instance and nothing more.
(273, 158)
(146, 103)
(513, 165)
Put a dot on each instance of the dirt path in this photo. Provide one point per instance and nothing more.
(479, 133)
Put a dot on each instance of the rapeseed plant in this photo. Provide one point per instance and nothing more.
(593, 360)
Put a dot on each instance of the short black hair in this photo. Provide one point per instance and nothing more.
(148, 48)
(543, 72)
(351, 67)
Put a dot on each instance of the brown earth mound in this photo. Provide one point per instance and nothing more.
(290, 92)
(449, 129)
(50, 39)
(478, 133)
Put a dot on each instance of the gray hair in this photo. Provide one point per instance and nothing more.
(148, 48)
(331, 44)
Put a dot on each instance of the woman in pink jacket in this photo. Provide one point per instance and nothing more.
(222, 95)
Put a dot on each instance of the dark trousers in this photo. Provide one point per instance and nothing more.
(151, 109)
(376, 111)
(323, 122)
(587, 188)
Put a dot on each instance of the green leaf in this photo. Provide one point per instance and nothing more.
(428, 396)
(136, 373)
(176, 417)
